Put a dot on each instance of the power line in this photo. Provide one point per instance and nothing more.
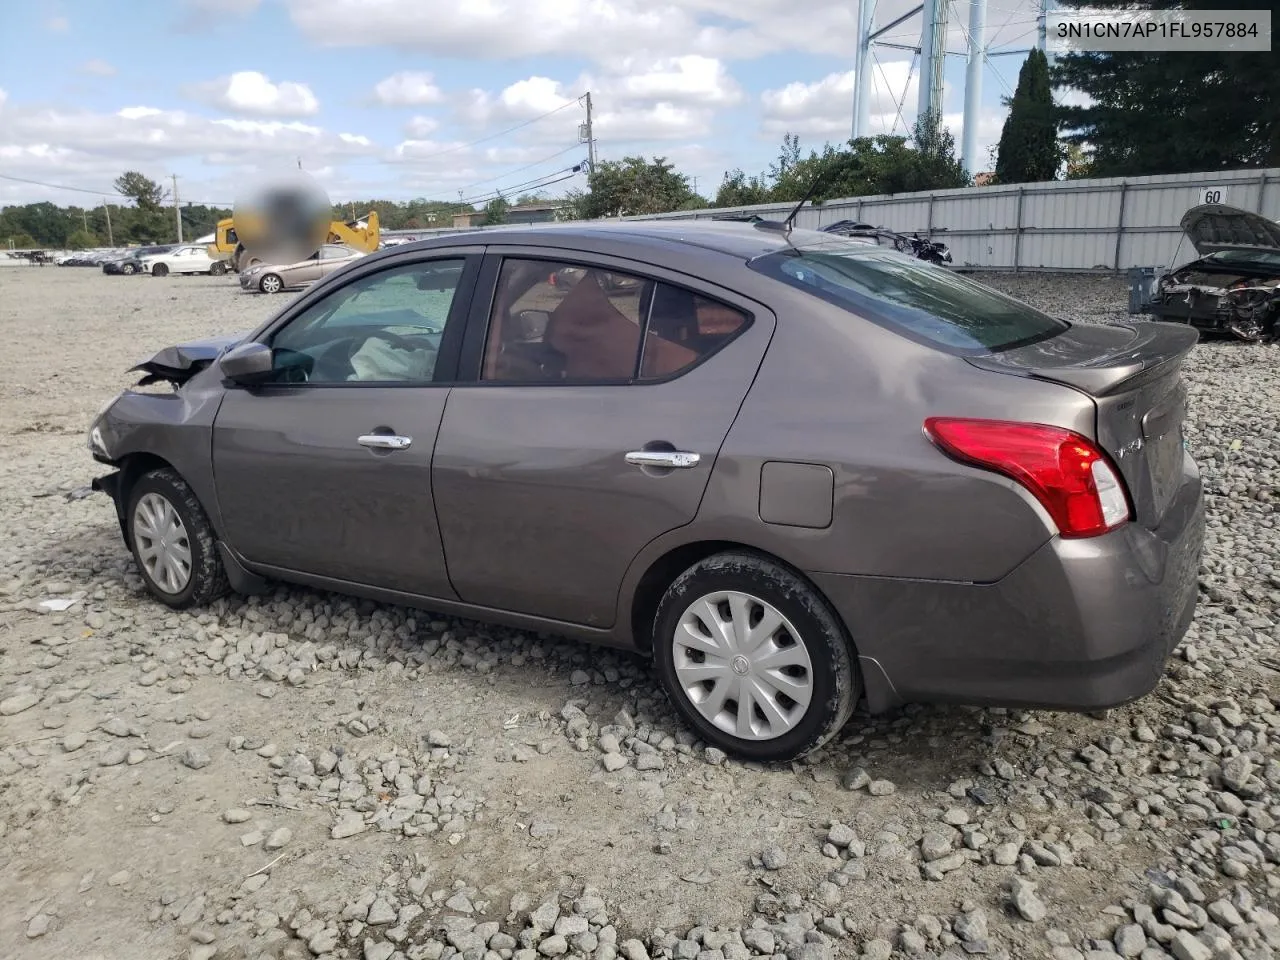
(486, 139)
(100, 193)
(569, 173)
(527, 166)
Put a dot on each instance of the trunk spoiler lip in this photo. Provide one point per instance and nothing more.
(1124, 355)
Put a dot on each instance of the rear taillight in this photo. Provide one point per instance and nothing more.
(1073, 479)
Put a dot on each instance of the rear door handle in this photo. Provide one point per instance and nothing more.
(384, 441)
(666, 459)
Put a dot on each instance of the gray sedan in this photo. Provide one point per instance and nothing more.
(796, 470)
(275, 277)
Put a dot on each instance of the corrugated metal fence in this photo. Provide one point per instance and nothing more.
(1107, 224)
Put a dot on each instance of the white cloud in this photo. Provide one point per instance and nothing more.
(251, 92)
(99, 68)
(4, 95)
(825, 107)
(419, 128)
(687, 79)
(408, 88)
(662, 121)
(522, 100)
(58, 24)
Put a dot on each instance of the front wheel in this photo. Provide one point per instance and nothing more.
(753, 658)
(173, 542)
(128, 269)
(270, 283)
(159, 270)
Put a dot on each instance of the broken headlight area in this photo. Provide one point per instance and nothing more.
(1247, 308)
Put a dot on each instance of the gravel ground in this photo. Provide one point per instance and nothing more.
(305, 775)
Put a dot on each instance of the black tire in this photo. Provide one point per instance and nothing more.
(218, 269)
(159, 270)
(128, 269)
(270, 283)
(207, 579)
(834, 680)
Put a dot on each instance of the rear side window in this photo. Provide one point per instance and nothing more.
(926, 303)
(571, 324)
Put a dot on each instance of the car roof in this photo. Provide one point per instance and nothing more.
(735, 239)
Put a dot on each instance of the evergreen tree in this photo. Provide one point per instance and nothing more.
(1028, 150)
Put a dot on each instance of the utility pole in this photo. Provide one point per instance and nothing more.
(84, 215)
(111, 241)
(177, 210)
(585, 135)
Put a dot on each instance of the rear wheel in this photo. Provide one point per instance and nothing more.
(173, 542)
(159, 270)
(218, 269)
(270, 283)
(753, 659)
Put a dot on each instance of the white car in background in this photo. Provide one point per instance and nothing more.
(188, 258)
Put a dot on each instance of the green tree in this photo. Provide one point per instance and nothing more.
(1172, 112)
(1028, 151)
(143, 191)
(82, 240)
(633, 185)
(495, 212)
(739, 190)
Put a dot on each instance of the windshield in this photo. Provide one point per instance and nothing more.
(1268, 258)
(927, 303)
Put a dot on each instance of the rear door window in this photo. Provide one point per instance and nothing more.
(926, 303)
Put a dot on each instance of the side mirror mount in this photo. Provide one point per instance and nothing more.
(247, 363)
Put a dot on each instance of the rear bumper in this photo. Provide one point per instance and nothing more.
(1079, 625)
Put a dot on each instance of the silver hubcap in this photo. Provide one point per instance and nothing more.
(162, 543)
(271, 284)
(742, 665)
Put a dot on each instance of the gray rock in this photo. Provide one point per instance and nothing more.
(936, 844)
(1029, 906)
(378, 950)
(196, 758)
(855, 779)
(38, 926)
(554, 946)
(18, 703)
(881, 788)
(773, 857)
(971, 925)
(809, 951)
(236, 815)
(279, 838)
(1130, 940)
(1187, 947)
(613, 762)
(841, 835)
(381, 912)
(438, 739)
(348, 826)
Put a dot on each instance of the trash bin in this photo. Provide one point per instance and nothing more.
(1142, 287)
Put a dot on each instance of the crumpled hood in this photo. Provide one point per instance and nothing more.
(1215, 226)
(183, 361)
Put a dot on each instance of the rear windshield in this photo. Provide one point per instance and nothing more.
(927, 303)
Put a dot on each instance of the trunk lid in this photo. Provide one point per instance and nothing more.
(1133, 373)
(1215, 226)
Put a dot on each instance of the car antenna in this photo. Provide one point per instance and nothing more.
(785, 226)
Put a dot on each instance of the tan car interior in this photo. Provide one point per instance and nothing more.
(587, 337)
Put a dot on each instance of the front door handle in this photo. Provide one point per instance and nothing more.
(384, 441)
(665, 459)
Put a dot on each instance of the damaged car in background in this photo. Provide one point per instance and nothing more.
(931, 251)
(1234, 288)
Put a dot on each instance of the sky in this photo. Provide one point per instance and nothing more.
(396, 99)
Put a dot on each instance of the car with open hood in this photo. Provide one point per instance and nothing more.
(275, 277)
(1234, 286)
(797, 470)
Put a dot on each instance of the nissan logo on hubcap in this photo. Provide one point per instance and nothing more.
(741, 666)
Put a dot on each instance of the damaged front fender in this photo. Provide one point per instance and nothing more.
(178, 364)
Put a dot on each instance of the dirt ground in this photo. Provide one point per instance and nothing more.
(130, 735)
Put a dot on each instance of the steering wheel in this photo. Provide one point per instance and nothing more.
(394, 339)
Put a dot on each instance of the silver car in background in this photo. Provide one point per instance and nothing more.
(275, 277)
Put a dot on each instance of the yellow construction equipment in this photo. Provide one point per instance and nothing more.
(362, 234)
